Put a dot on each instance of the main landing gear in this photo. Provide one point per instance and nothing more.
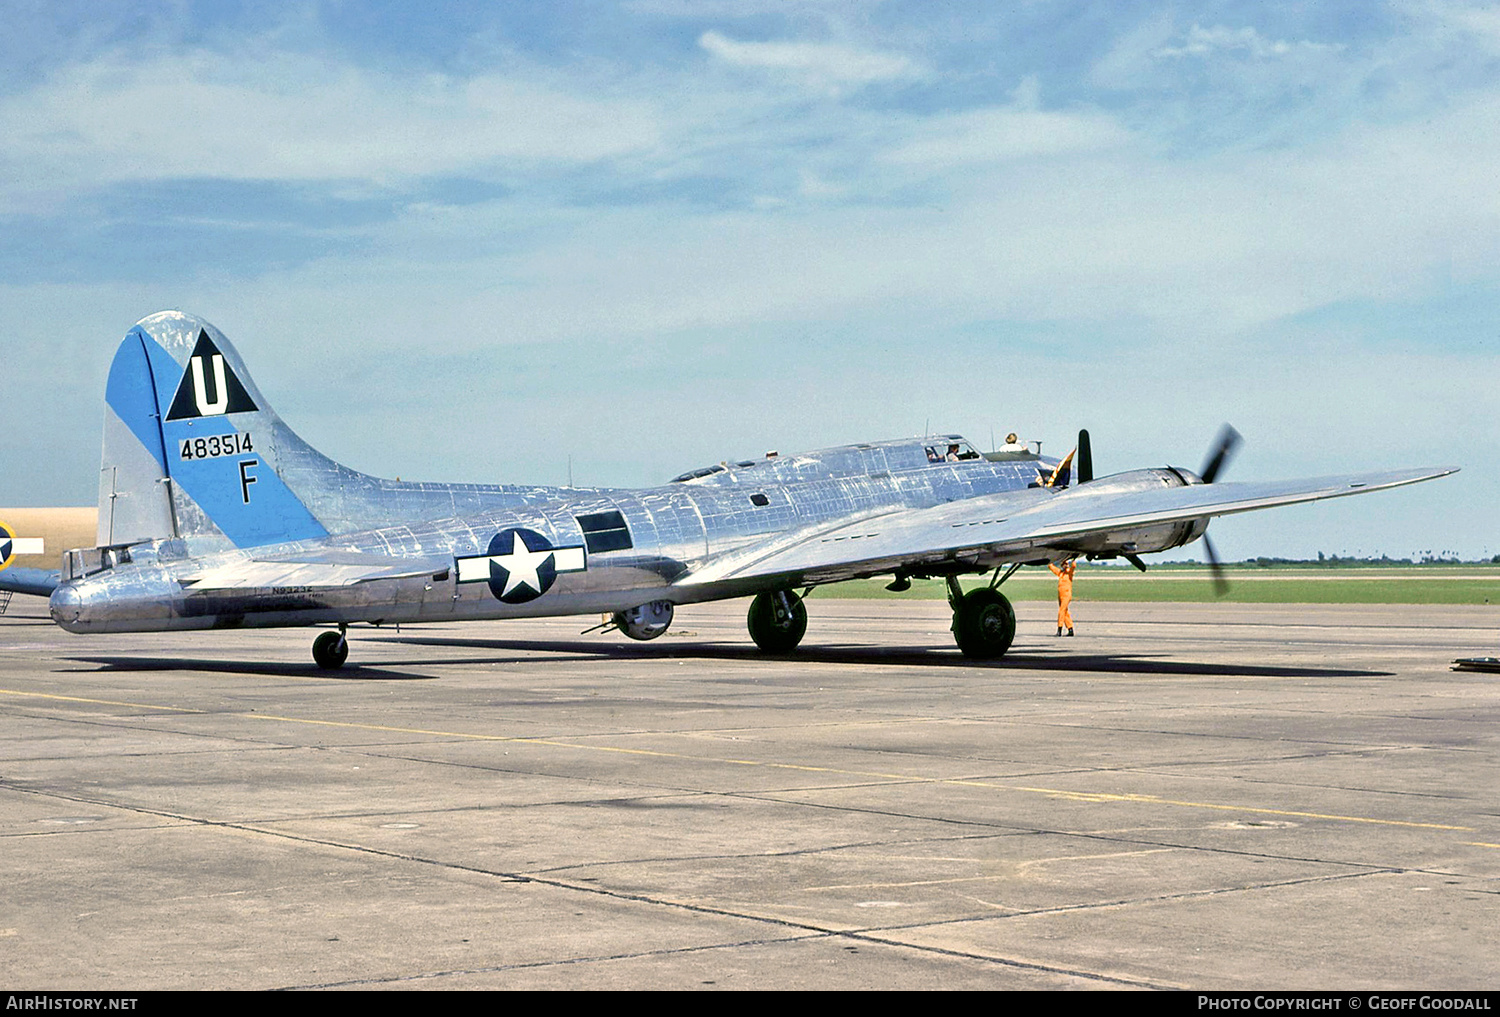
(984, 623)
(777, 621)
(331, 649)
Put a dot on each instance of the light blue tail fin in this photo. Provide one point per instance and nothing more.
(192, 449)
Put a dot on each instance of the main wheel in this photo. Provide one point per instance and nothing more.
(984, 624)
(777, 621)
(330, 650)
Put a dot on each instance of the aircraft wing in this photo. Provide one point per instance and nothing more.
(318, 569)
(37, 582)
(1016, 526)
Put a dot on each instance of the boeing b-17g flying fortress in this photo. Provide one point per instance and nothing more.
(214, 514)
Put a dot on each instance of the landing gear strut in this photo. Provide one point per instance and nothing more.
(984, 623)
(777, 621)
(331, 649)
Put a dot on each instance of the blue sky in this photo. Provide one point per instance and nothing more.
(466, 241)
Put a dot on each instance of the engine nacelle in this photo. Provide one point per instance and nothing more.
(1141, 539)
(1141, 480)
(645, 622)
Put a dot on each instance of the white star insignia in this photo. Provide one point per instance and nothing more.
(522, 564)
(523, 567)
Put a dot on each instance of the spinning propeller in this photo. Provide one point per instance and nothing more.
(1224, 448)
(1229, 439)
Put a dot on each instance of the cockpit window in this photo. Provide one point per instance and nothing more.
(951, 452)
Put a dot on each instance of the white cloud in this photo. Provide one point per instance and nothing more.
(824, 62)
(1129, 61)
(1204, 42)
(1476, 24)
(996, 134)
(1098, 227)
(289, 117)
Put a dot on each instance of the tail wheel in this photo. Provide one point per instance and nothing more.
(984, 624)
(330, 650)
(777, 621)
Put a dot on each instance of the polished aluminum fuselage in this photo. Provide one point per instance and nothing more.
(674, 529)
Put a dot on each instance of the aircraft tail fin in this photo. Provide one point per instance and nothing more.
(192, 450)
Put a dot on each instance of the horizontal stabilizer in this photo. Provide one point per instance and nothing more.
(325, 569)
(37, 582)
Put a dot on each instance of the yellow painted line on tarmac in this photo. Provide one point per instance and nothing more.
(1018, 868)
(98, 702)
(1092, 796)
(1095, 797)
(515, 739)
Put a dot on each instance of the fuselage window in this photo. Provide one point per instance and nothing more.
(604, 531)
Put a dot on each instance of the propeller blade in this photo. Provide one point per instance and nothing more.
(1229, 439)
(1221, 585)
(1060, 475)
(1085, 461)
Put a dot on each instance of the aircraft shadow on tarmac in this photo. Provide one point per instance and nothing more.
(272, 669)
(907, 656)
(522, 652)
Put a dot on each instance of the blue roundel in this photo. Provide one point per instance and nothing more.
(522, 565)
(7, 545)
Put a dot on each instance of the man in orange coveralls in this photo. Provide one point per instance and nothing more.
(1064, 594)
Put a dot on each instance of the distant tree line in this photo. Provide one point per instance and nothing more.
(1385, 560)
